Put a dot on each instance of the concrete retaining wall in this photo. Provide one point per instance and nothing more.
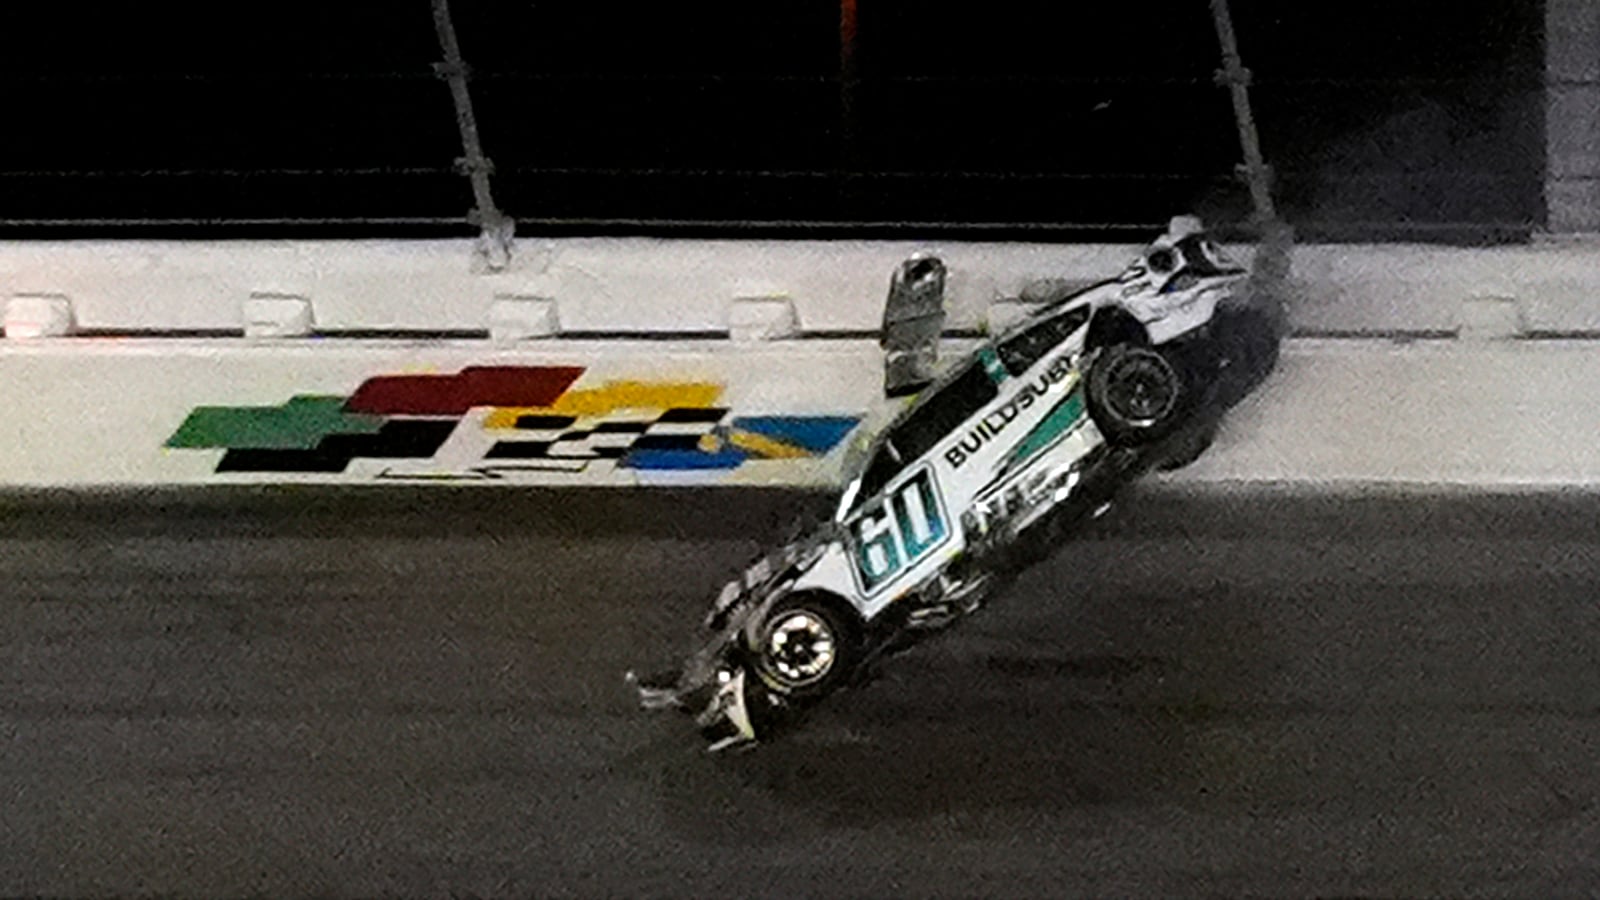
(103, 412)
(641, 285)
(119, 412)
(120, 409)
(1429, 412)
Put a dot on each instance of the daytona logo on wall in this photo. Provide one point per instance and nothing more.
(491, 422)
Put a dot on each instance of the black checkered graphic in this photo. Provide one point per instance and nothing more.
(680, 428)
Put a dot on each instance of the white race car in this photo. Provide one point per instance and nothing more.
(986, 470)
(1174, 287)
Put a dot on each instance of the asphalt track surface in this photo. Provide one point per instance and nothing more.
(1219, 693)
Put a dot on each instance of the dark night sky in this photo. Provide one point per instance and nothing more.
(1406, 111)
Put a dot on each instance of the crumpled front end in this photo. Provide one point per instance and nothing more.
(712, 686)
(721, 705)
(726, 721)
(730, 705)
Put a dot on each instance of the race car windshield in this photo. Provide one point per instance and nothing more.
(1202, 257)
(925, 426)
(1019, 353)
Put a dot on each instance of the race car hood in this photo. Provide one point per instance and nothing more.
(772, 569)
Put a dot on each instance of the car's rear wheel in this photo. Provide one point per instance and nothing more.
(806, 646)
(1137, 394)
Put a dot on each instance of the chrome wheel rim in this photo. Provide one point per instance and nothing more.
(800, 648)
(1141, 389)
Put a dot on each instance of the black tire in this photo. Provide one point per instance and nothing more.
(793, 669)
(1138, 394)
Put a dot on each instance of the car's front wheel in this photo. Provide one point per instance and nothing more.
(806, 646)
(1137, 394)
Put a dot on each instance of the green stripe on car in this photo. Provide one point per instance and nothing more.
(1057, 422)
(991, 364)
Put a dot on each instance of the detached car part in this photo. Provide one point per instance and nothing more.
(913, 321)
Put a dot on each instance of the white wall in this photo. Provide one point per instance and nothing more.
(601, 284)
(1493, 414)
(85, 411)
(1401, 287)
(96, 412)
(638, 285)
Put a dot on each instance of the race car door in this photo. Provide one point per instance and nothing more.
(901, 528)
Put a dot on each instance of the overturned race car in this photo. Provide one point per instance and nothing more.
(988, 469)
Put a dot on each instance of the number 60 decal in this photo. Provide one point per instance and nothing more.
(893, 533)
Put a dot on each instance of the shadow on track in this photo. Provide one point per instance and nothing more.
(1003, 721)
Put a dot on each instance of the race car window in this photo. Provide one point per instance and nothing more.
(1018, 354)
(927, 425)
(1204, 258)
(1162, 261)
(1181, 282)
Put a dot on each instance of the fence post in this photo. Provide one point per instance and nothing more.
(494, 240)
(1270, 276)
(1572, 117)
(1236, 78)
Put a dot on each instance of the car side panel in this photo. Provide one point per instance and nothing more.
(903, 537)
(833, 573)
(1169, 316)
(1185, 313)
(892, 548)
